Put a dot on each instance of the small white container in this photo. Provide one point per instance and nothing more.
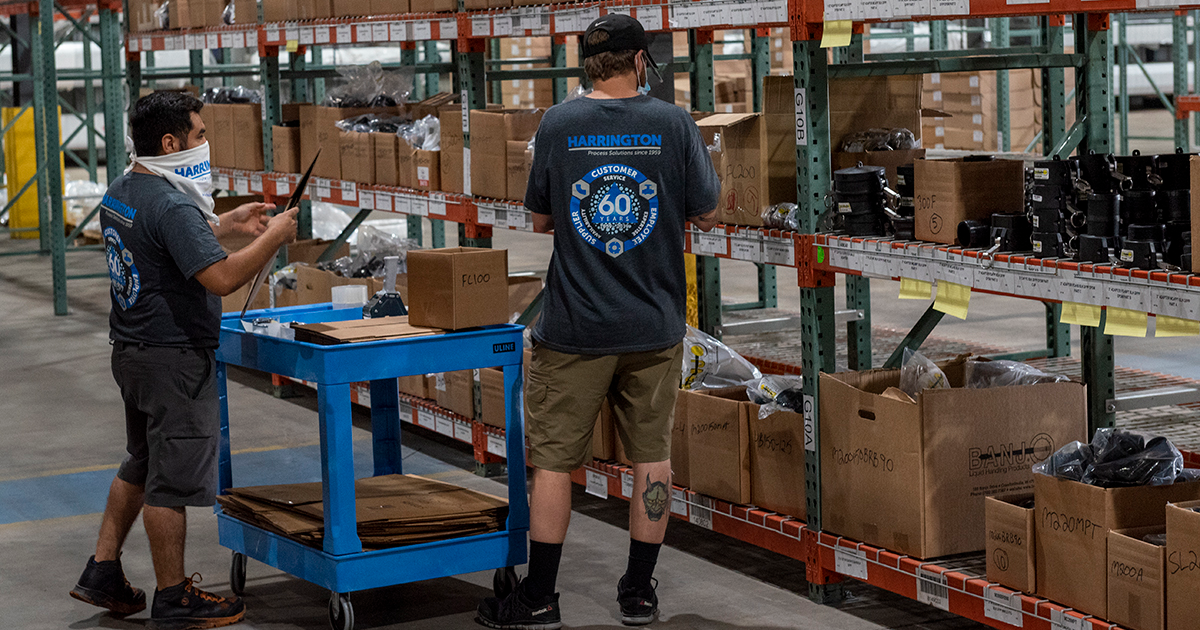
(349, 296)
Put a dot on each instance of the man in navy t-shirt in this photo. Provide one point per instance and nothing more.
(616, 175)
(167, 272)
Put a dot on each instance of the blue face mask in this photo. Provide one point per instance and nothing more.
(644, 87)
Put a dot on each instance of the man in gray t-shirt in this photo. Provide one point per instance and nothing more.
(167, 271)
(616, 175)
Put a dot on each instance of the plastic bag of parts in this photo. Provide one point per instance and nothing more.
(715, 147)
(782, 216)
(373, 123)
(328, 221)
(373, 246)
(710, 364)
(1158, 540)
(919, 373)
(983, 374)
(530, 146)
(578, 92)
(231, 95)
(424, 134)
(229, 15)
(82, 196)
(898, 139)
(1117, 458)
(775, 392)
(162, 15)
(371, 86)
(284, 279)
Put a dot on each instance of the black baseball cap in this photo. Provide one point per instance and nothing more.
(624, 33)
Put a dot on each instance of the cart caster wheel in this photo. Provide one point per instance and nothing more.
(504, 582)
(341, 612)
(237, 574)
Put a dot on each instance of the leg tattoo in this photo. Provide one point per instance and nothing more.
(655, 499)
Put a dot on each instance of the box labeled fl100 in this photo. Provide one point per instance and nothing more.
(458, 287)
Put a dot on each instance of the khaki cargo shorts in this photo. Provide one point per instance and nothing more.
(565, 391)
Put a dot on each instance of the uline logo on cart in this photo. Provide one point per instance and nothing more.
(510, 346)
(1004, 457)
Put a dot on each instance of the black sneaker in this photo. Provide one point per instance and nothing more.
(185, 607)
(103, 584)
(516, 612)
(638, 604)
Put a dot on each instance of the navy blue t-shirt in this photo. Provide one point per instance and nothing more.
(156, 240)
(620, 178)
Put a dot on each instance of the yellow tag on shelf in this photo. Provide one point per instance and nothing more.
(1125, 323)
(293, 45)
(915, 289)
(952, 299)
(1080, 314)
(837, 33)
(1167, 326)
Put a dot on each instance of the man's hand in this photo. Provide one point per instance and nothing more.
(283, 226)
(225, 276)
(249, 219)
(705, 222)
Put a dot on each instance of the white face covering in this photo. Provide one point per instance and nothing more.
(190, 172)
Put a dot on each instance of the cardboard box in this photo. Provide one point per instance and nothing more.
(388, 7)
(427, 169)
(414, 386)
(222, 151)
(279, 10)
(522, 291)
(680, 465)
(357, 156)
(491, 394)
(285, 145)
(1072, 528)
(604, 435)
(1009, 544)
(1137, 580)
(719, 444)
(318, 128)
(777, 462)
(740, 164)
(351, 8)
(1183, 563)
(949, 192)
(889, 160)
(456, 391)
(313, 9)
(385, 146)
(245, 12)
(451, 165)
(431, 6)
(491, 133)
(458, 287)
(911, 476)
(246, 122)
(779, 130)
(863, 103)
(140, 17)
(406, 170)
(520, 161)
(1194, 164)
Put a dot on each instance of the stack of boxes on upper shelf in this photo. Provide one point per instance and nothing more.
(966, 105)
(155, 15)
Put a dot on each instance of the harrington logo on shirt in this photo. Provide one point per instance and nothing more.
(614, 208)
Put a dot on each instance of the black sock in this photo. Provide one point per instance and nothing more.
(642, 558)
(543, 570)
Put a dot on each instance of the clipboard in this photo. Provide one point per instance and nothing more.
(293, 201)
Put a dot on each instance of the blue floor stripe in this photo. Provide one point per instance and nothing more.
(57, 496)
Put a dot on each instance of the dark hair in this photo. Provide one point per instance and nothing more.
(606, 65)
(159, 114)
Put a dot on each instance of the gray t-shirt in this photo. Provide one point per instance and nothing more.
(157, 240)
(620, 178)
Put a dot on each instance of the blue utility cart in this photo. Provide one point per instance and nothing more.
(341, 565)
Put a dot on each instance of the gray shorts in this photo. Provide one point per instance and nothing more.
(172, 422)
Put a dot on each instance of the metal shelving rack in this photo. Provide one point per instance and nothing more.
(44, 77)
(818, 258)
